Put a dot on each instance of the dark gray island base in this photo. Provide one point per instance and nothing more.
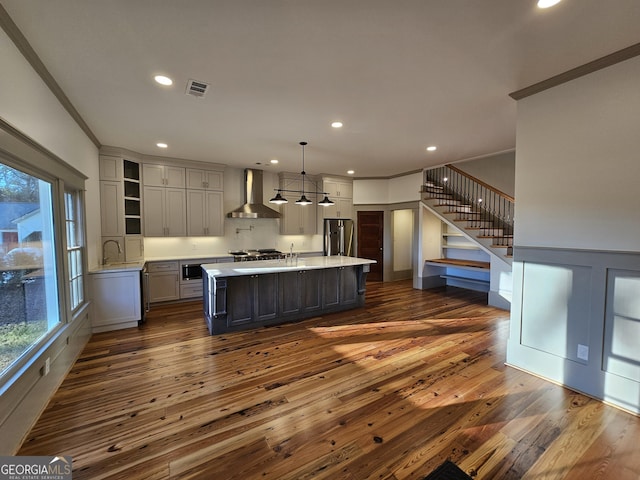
(246, 295)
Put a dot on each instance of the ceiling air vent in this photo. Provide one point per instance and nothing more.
(196, 88)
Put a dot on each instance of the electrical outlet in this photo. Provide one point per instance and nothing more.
(583, 352)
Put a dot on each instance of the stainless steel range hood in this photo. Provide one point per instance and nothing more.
(253, 206)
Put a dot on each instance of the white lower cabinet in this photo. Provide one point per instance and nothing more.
(116, 301)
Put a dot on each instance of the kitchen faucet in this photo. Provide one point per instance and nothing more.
(104, 255)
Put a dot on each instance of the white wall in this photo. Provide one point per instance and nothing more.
(385, 191)
(371, 191)
(574, 318)
(405, 188)
(577, 166)
(499, 170)
(28, 105)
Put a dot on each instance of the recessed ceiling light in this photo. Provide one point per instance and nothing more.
(336, 124)
(432, 148)
(161, 145)
(547, 3)
(351, 172)
(162, 80)
(274, 160)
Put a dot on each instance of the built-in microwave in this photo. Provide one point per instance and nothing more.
(191, 271)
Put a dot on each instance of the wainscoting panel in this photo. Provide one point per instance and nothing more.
(575, 319)
(555, 309)
(622, 325)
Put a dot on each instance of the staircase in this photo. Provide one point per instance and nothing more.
(481, 212)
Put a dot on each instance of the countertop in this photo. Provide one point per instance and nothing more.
(120, 267)
(236, 269)
(139, 265)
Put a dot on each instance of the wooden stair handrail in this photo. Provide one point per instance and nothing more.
(480, 182)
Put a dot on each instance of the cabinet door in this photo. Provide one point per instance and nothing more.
(133, 248)
(266, 297)
(196, 222)
(196, 179)
(204, 213)
(204, 179)
(341, 208)
(174, 176)
(311, 290)
(337, 188)
(154, 211)
(291, 219)
(348, 285)
(309, 217)
(175, 209)
(290, 292)
(298, 219)
(163, 286)
(344, 208)
(214, 180)
(111, 209)
(110, 168)
(331, 287)
(214, 213)
(239, 300)
(115, 300)
(152, 175)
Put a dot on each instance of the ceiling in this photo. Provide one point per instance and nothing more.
(400, 74)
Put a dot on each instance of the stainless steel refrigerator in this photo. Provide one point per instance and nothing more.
(338, 237)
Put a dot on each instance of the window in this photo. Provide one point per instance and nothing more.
(28, 270)
(74, 248)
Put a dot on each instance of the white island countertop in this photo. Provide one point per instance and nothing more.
(236, 269)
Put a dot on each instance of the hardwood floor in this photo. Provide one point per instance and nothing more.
(388, 391)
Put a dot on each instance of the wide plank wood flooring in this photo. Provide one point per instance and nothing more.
(388, 391)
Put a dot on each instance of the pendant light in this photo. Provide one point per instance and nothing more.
(303, 200)
(278, 199)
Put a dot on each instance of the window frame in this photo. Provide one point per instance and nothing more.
(21, 153)
(74, 276)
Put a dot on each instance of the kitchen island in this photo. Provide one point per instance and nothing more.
(245, 295)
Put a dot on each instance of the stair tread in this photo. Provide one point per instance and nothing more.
(461, 263)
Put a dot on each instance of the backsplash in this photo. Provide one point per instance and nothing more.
(240, 234)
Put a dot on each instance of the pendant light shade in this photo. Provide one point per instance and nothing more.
(325, 202)
(278, 199)
(303, 200)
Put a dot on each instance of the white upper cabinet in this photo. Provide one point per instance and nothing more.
(111, 208)
(340, 191)
(205, 215)
(298, 219)
(341, 208)
(154, 175)
(204, 179)
(164, 212)
(110, 168)
(337, 187)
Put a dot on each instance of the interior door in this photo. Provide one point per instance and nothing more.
(370, 241)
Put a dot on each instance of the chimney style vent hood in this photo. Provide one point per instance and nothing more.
(253, 206)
